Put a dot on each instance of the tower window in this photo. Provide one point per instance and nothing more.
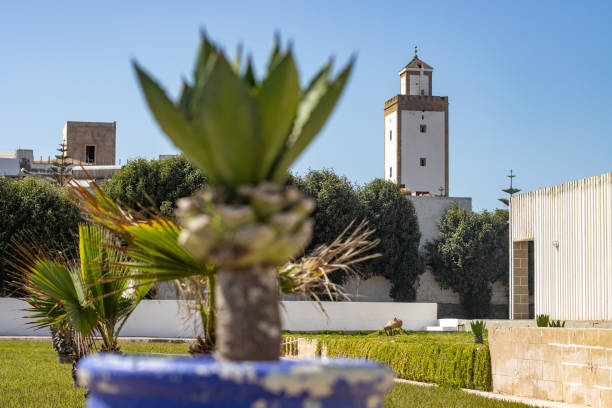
(423, 128)
(90, 154)
(390, 135)
(423, 161)
(390, 172)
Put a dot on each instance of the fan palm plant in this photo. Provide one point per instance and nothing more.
(86, 295)
(244, 133)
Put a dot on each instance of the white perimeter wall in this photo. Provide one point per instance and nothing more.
(307, 316)
(430, 145)
(164, 318)
(391, 146)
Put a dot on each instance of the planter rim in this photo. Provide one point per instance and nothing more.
(189, 377)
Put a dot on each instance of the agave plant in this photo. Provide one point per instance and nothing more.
(86, 295)
(244, 133)
(542, 320)
(478, 330)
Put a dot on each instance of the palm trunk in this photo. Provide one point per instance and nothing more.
(248, 316)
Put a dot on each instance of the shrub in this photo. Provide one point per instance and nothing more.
(478, 329)
(471, 255)
(456, 365)
(556, 323)
(542, 320)
(38, 210)
(155, 183)
(337, 205)
(394, 218)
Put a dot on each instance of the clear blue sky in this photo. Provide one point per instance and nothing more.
(529, 83)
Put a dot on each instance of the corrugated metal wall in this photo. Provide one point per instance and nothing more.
(574, 280)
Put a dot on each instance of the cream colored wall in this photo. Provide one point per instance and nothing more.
(574, 280)
(569, 365)
(391, 146)
(430, 145)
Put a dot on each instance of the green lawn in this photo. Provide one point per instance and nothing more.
(407, 337)
(30, 377)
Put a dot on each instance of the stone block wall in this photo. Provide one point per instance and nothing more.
(521, 280)
(556, 364)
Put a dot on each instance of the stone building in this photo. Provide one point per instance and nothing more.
(416, 133)
(91, 143)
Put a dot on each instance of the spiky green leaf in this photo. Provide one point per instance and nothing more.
(175, 125)
(226, 117)
(316, 106)
(277, 101)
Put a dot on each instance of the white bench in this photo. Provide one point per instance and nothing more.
(444, 325)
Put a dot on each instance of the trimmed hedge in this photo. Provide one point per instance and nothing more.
(462, 365)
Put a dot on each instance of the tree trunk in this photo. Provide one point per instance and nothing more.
(248, 316)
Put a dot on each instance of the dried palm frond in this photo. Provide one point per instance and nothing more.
(309, 275)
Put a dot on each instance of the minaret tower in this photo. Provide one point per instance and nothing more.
(416, 133)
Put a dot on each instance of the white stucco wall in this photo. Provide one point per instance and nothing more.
(430, 145)
(374, 289)
(307, 316)
(391, 146)
(419, 84)
(167, 318)
(430, 210)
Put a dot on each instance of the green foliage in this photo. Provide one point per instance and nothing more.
(394, 219)
(31, 208)
(478, 329)
(337, 205)
(155, 184)
(91, 296)
(456, 365)
(388, 212)
(556, 323)
(61, 166)
(542, 320)
(471, 255)
(237, 128)
(391, 331)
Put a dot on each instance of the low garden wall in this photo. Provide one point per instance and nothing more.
(165, 318)
(557, 364)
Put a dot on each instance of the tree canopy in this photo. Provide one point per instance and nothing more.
(34, 209)
(471, 255)
(155, 183)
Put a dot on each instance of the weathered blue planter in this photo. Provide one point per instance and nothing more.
(120, 381)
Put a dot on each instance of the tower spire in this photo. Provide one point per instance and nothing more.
(415, 51)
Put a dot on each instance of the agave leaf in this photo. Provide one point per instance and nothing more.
(276, 55)
(207, 50)
(249, 75)
(175, 125)
(225, 114)
(184, 102)
(277, 101)
(312, 113)
(237, 59)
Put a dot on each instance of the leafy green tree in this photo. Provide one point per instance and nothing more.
(34, 209)
(157, 183)
(61, 166)
(393, 217)
(471, 255)
(337, 205)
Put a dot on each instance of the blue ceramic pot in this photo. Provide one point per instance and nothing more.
(122, 381)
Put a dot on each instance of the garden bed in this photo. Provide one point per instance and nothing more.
(450, 359)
